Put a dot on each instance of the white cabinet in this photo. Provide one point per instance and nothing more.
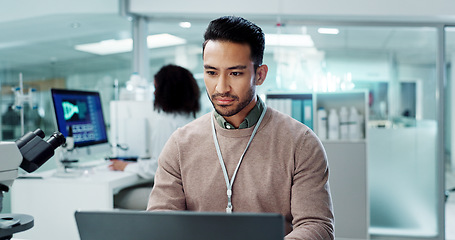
(348, 185)
(347, 157)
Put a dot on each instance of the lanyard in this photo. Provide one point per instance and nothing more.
(220, 157)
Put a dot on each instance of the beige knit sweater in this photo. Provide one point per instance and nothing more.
(284, 171)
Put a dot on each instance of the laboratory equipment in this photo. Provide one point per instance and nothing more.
(137, 89)
(131, 123)
(28, 152)
(322, 123)
(344, 123)
(80, 114)
(20, 98)
(334, 125)
(354, 124)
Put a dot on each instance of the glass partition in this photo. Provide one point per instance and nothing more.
(449, 146)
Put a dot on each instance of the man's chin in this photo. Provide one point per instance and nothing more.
(224, 111)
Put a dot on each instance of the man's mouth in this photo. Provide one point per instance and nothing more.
(224, 101)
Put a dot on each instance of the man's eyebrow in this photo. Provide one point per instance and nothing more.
(209, 67)
(239, 67)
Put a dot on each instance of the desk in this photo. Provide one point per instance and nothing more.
(52, 200)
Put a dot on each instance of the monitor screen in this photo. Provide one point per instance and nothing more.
(81, 112)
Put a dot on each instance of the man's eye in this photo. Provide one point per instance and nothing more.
(236, 73)
(210, 72)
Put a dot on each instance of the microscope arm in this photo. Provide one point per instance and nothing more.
(10, 159)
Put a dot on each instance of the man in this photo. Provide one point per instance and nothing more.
(244, 157)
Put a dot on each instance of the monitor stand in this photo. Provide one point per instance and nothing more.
(72, 164)
(68, 169)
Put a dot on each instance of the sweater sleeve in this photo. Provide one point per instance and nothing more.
(167, 193)
(311, 203)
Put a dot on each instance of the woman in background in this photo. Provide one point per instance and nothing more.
(176, 103)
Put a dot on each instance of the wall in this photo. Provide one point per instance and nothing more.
(390, 10)
(32, 9)
(427, 10)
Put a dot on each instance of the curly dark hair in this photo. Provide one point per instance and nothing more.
(237, 30)
(176, 90)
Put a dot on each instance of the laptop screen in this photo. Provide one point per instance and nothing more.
(138, 225)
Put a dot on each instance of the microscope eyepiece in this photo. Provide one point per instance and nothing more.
(35, 150)
(38, 132)
(56, 140)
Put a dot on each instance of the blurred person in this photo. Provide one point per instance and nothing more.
(176, 102)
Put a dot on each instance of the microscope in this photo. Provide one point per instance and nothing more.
(28, 152)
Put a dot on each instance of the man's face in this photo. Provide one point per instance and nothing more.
(229, 77)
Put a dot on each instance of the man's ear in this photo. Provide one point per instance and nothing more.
(261, 74)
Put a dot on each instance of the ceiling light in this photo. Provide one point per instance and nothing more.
(113, 46)
(328, 30)
(185, 24)
(75, 25)
(106, 47)
(291, 40)
(164, 40)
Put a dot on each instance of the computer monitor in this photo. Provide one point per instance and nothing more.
(81, 112)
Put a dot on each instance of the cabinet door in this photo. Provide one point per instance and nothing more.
(348, 185)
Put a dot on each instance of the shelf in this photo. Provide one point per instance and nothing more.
(344, 141)
(303, 106)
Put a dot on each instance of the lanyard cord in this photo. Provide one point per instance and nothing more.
(220, 157)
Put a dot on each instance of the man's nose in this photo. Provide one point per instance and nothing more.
(222, 85)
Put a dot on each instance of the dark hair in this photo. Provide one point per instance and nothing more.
(237, 30)
(176, 90)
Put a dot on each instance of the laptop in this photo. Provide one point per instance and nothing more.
(169, 225)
